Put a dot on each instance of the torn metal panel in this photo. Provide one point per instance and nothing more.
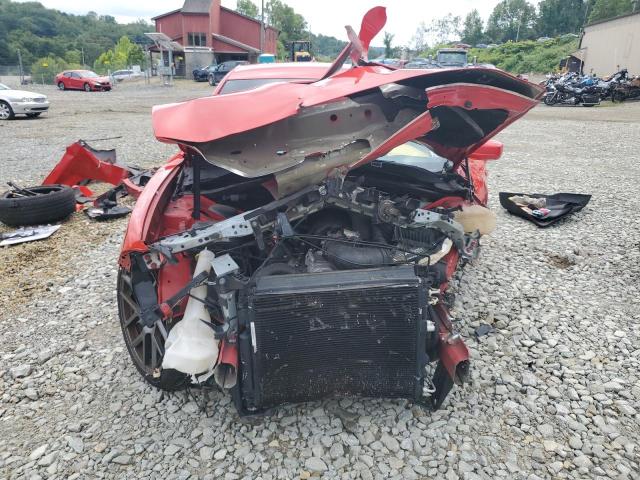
(27, 234)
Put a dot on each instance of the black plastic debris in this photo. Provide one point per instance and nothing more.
(106, 205)
(543, 210)
(98, 213)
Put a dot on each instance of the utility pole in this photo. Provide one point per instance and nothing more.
(20, 70)
(262, 28)
(82, 50)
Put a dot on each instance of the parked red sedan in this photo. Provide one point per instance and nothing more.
(82, 80)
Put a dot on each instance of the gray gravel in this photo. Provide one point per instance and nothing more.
(555, 392)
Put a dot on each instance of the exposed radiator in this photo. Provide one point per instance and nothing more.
(343, 333)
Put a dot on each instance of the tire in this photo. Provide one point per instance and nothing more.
(549, 100)
(61, 86)
(34, 115)
(147, 353)
(211, 82)
(87, 87)
(52, 203)
(6, 112)
(618, 97)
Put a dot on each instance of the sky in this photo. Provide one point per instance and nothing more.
(324, 16)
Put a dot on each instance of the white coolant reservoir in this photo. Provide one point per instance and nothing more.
(476, 217)
(191, 346)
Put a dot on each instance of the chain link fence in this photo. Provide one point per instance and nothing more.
(11, 74)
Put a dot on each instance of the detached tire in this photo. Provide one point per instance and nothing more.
(50, 204)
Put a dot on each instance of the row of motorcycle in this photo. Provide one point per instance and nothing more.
(574, 89)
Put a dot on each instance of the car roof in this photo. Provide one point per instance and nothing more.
(292, 70)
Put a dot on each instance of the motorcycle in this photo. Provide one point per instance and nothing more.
(626, 89)
(570, 90)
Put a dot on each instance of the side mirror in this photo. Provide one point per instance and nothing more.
(490, 150)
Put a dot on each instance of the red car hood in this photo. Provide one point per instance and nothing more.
(303, 132)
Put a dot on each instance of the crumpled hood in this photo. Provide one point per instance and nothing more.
(303, 132)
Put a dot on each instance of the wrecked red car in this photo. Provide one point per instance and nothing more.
(302, 248)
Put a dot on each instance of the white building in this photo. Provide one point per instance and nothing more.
(610, 45)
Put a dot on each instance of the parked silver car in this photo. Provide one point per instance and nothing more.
(121, 75)
(19, 102)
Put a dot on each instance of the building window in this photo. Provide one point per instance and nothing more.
(197, 39)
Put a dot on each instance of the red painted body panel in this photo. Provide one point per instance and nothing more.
(78, 164)
(145, 221)
(188, 122)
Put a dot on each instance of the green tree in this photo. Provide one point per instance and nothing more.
(419, 39)
(604, 9)
(124, 54)
(292, 25)
(512, 20)
(444, 29)
(472, 30)
(248, 8)
(560, 16)
(39, 32)
(388, 49)
(45, 69)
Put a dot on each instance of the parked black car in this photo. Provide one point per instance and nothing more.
(222, 69)
(201, 74)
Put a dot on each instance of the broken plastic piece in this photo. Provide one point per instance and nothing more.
(191, 346)
(98, 213)
(27, 234)
(559, 205)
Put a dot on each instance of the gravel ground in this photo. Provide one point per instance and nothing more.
(555, 391)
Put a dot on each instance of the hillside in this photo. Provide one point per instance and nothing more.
(39, 32)
(528, 56)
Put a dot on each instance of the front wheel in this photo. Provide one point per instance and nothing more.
(61, 85)
(6, 112)
(618, 97)
(212, 82)
(87, 87)
(550, 99)
(145, 344)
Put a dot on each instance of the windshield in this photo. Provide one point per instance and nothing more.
(240, 85)
(4, 87)
(415, 154)
(452, 58)
(88, 74)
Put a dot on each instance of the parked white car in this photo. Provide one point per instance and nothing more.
(120, 75)
(19, 102)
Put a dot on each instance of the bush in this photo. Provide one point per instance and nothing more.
(527, 56)
(45, 69)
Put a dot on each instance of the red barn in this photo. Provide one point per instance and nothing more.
(206, 29)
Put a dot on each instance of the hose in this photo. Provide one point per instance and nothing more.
(345, 256)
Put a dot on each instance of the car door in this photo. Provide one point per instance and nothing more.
(66, 79)
(222, 70)
(75, 80)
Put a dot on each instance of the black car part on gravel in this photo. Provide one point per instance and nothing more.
(559, 204)
(36, 205)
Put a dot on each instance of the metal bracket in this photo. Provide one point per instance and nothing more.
(224, 265)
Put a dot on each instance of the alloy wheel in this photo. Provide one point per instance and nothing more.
(5, 111)
(145, 344)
